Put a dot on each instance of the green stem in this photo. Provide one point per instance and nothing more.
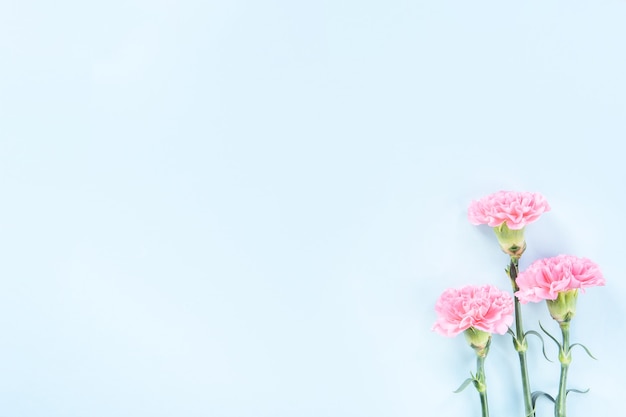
(520, 341)
(481, 385)
(565, 358)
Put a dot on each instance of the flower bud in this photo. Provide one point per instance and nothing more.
(564, 307)
(511, 240)
(479, 340)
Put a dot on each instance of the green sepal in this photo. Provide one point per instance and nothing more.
(465, 384)
(584, 347)
(543, 345)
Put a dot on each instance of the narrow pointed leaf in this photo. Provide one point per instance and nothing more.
(535, 396)
(543, 345)
(577, 391)
(584, 347)
(511, 332)
(550, 336)
(464, 385)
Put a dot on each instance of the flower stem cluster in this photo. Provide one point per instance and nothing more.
(479, 312)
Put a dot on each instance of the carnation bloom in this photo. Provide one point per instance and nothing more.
(484, 308)
(546, 278)
(516, 209)
(558, 280)
(508, 212)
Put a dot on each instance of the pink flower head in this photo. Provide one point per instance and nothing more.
(484, 308)
(546, 278)
(516, 209)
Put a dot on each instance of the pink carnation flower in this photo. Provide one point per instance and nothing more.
(484, 308)
(517, 209)
(546, 278)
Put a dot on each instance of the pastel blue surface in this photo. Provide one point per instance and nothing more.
(248, 209)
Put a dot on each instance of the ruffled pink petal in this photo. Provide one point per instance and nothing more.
(546, 278)
(485, 308)
(517, 209)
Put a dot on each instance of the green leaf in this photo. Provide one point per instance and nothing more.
(543, 345)
(551, 337)
(584, 347)
(577, 391)
(535, 396)
(464, 385)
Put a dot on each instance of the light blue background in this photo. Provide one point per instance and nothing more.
(248, 209)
